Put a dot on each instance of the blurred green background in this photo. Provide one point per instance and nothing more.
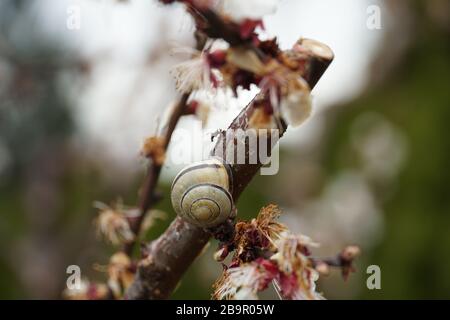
(390, 142)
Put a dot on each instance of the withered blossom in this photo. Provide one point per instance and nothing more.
(242, 282)
(196, 73)
(298, 274)
(247, 60)
(267, 223)
(112, 223)
(120, 273)
(278, 75)
(266, 251)
(280, 83)
(252, 238)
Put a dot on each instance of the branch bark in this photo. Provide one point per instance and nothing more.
(168, 257)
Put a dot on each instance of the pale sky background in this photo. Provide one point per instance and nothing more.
(119, 105)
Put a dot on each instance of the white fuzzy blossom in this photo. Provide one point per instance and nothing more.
(290, 259)
(241, 283)
(193, 74)
(113, 224)
(311, 294)
(119, 275)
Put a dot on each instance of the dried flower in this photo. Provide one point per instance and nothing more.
(244, 68)
(279, 82)
(242, 282)
(195, 73)
(268, 225)
(265, 251)
(251, 238)
(120, 273)
(298, 275)
(275, 85)
(308, 292)
(292, 250)
(113, 223)
(246, 60)
(155, 148)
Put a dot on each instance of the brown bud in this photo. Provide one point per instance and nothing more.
(350, 252)
(154, 148)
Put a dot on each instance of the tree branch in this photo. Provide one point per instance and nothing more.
(147, 196)
(168, 257)
(343, 260)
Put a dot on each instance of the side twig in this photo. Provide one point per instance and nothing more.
(147, 196)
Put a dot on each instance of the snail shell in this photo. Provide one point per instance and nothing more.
(201, 193)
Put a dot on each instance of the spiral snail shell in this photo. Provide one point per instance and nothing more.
(201, 193)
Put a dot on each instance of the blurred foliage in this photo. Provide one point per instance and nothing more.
(416, 98)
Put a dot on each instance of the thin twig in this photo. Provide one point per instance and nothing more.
(147, 195)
